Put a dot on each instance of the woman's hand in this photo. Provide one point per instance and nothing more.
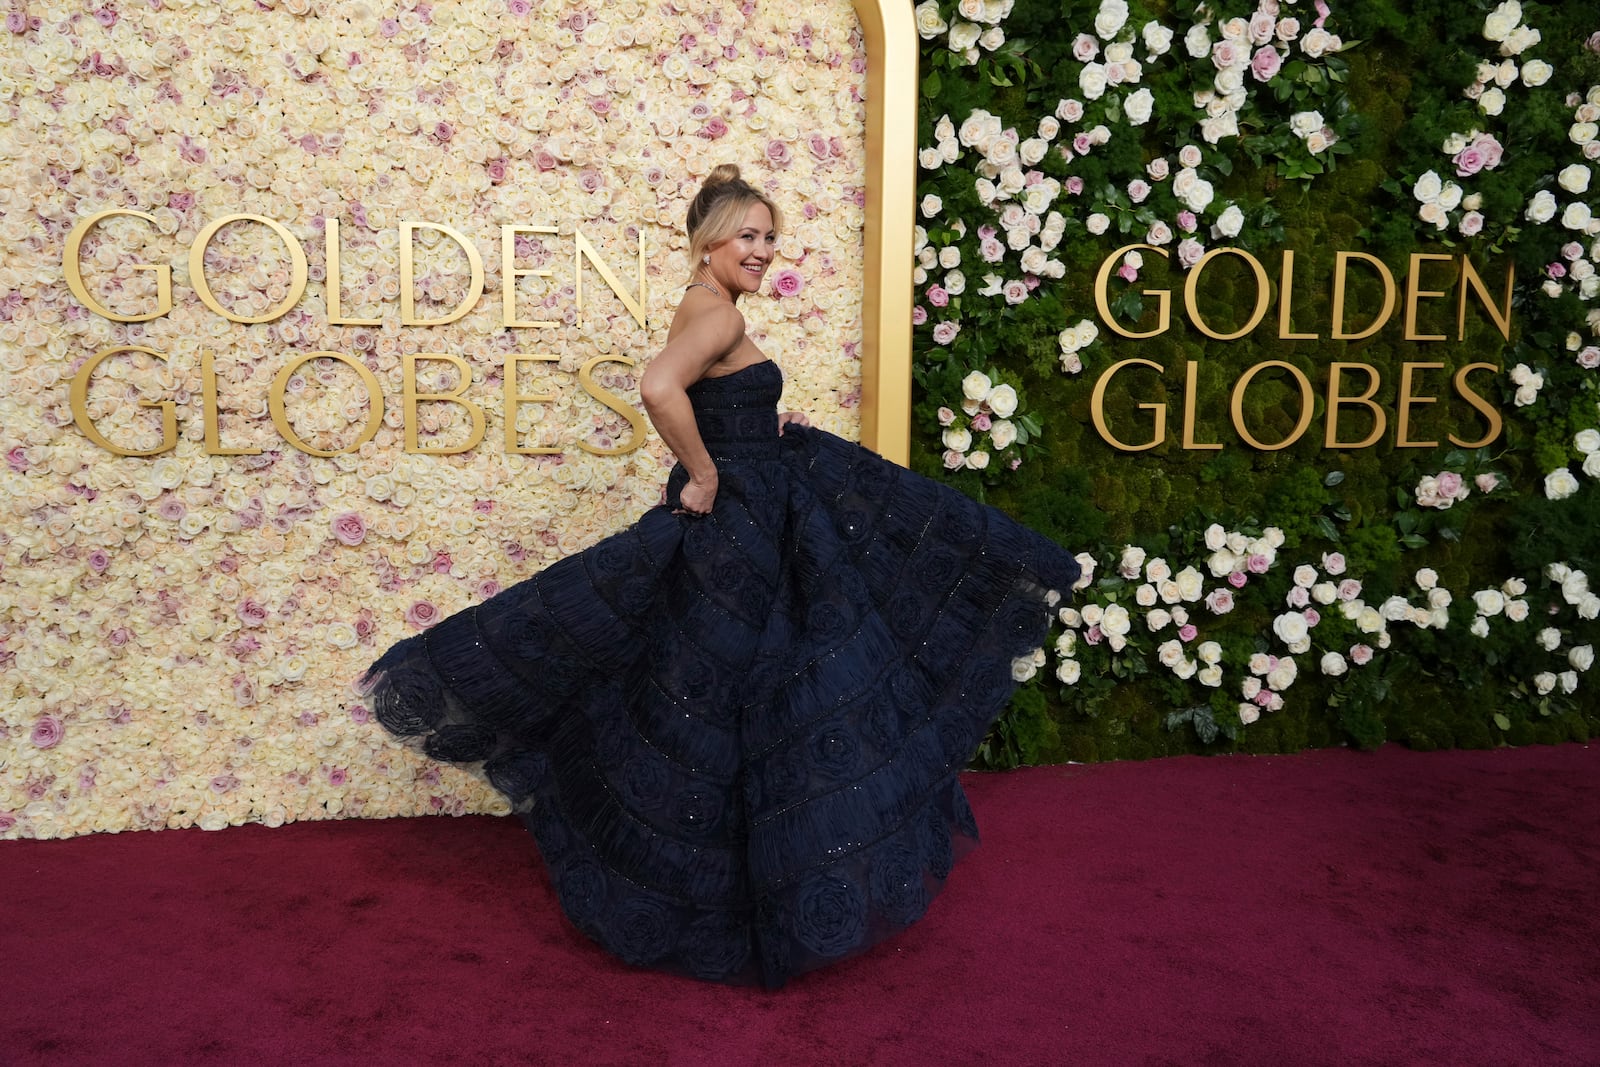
(698, 497)
(798, 418)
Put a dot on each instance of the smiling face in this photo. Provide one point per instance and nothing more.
(739, 263)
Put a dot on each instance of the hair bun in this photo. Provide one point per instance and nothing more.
(723, 172)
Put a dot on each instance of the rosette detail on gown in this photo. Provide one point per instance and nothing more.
(736, 738)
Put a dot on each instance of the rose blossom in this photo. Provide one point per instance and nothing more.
(47, 731)
(422, 614)
(349, 528)
(790, 282)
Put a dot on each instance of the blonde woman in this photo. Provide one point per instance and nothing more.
(735, 727)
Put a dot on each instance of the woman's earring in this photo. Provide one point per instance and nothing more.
(706, 258)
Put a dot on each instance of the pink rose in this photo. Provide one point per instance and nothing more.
(778, 153)
(991, 250)
(1138, 189)
(1450, 485)
(945, 332)
(937, 296)
(1225, 54)
(1361, 655)
(47, 732)
(1333, 563)
(1187, 632)
(1265, 64)
(953, 460)
(99, 561)
(946, 416)
(1094, 635)
(919, 315)
(980, 421)
(790, 282)
(1468, 161)
(1190, 252)
(1220, 601)
(1471, 224)
(1490, 149)
(1015, 291)
(1349, 589)
(1556, 270)
(422, 614)
(1589, 357)
(714, 128)
(1085, 48)
(1128, 272)
(1299, 597)
(1187, 222)
(1074, 185)
(1486, 482)
(359, 713)
(1237, 579)
(349, 528)
(1312, 616)
(251, 612)
(1082, 143)
(1258, 563)
(17, 459)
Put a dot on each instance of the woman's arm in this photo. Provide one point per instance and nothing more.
(703, 341)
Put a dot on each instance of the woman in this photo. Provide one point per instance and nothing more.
(734, 728)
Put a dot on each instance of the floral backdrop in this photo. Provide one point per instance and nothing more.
(1239, 597)
(179, 633)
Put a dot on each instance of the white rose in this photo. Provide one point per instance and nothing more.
(1581, 656)
(1170, 652)
(1324, 593)
(1479, 627)
(964, 35)
(1145, 595)
(1221, 563)
(1489, 601)
(1248, 713)
(1157, 618)
(1137, 107)
(1189, 583)
(1112, 15)
(1157, 38)
(931, 205)
(1199, 196)
(1544, 681)
(1591, 465)
(1560, 484)
(1097, 223)
(1427, 578)
(1002, 400)
(1210, 676)
(957, 440)
(1535, 72)
(1093, 614)
(1576, 216)
(976, 386)
(1069, 671)
(1439, 597)
(1502, 20)
(1333, 664)
(1587, 441)
(929, 23)
(978, 460)
(1132, 561)
(1517, 610)
(1290, 627)
(1549, 639)
(1230, 222)
(1003, 433)
(1542, 208)
(1492, 102)
(1197, 42)
(1568, 680)
(1427, 188)
(1282, 676)
(1116, 621)
(1092, 80)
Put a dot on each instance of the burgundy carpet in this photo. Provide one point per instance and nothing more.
(1327, 908)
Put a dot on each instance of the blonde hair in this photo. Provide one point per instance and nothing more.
(718, 210)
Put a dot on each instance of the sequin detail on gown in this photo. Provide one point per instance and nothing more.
(736, 738)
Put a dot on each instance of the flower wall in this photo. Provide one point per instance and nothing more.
(1312, 532)
(180, 632)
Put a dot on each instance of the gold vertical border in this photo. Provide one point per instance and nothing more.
(889, 30)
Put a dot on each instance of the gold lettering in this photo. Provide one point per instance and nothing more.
(1192, 285)
(1163, 300)
(1336, 400)
(202, 288)
(412, 397)
(509, 273)
(330, 243)
(1404, 403)
(280, 419)
(71, 265)
(1490, 414)
(212, 415)
(612, 401)
(1188, 411)
(1285, 298)
(1415, 292)
(408, 273)
(581, 250)
(515, 399)
(1307, 402)
(1097, 407)
(1470, 280)
(79, 401)
(1341, 265)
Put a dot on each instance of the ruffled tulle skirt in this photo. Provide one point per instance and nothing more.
(736, 738)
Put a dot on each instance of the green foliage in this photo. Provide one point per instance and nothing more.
(1391, 98)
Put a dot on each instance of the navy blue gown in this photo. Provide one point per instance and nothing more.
(736, 738)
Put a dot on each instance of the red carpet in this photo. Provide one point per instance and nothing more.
(1327, 908)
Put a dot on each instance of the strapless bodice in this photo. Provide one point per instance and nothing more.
(738, 413)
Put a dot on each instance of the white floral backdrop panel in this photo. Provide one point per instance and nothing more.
(180, 632)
